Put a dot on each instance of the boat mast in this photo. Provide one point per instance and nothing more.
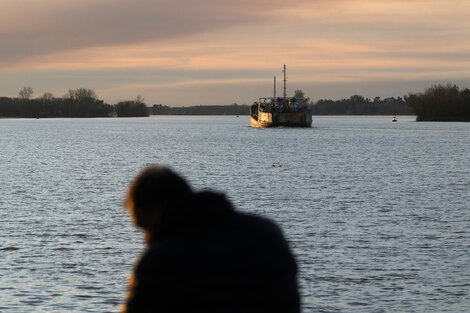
(274, 86)
(285, 81)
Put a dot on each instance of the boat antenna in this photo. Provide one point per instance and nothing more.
(285, 81)
(274, 86)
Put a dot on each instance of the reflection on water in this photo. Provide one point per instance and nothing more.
(376, 212)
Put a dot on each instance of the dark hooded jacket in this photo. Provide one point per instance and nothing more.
(206, 257)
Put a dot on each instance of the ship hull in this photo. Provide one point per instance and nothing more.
(281, 119)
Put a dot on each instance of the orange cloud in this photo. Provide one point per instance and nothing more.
(176, 44)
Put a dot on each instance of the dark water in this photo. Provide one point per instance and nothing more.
(377, 213)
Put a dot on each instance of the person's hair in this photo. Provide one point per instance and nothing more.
(152, 191)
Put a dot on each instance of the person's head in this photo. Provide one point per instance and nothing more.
(150, 194)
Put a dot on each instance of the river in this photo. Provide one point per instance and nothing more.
(376, 213)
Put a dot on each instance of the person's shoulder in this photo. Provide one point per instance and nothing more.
(266, 240)
(260, 225)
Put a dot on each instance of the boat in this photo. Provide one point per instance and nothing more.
(280, 111)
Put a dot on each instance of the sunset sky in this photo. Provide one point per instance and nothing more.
(191, 52)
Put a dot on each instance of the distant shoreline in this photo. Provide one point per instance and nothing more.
(443, 120)
(440, 103)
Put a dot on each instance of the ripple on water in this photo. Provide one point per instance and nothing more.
(8, 249)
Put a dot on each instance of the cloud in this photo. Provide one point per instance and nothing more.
(167, 50)
(82, 32)
(32, 28)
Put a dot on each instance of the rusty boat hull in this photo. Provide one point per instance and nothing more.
(281, 119)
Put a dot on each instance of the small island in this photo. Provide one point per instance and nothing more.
(443, 103)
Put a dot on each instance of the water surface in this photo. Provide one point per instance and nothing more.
(376, 212)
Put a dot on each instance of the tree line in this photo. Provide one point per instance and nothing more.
(359, 105)
(437, 103)
(233, 109)
(355, 105)
(441, 103)
(79, 102)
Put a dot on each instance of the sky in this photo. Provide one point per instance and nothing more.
(219, 52)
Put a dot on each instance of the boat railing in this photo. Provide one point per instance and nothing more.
(281, 105)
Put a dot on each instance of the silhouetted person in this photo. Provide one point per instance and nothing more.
(202, 255)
